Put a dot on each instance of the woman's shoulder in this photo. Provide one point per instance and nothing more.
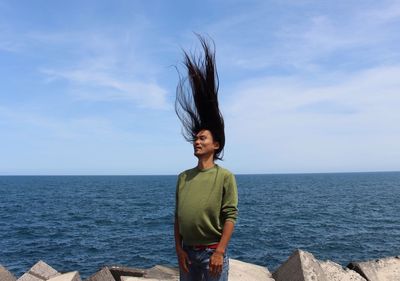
(225, 171)
(187, 172)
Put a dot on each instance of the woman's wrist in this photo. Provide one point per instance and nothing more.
(219, 251)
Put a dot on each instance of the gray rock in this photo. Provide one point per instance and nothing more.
(43, 270)
(239, 270)
(70, 276)
(157, 272)
(386, 269)
(301, 266)
(6, 275)
(29, 277)
(335, 272)
(130, 278)
(118, 271)
(161, 272)
(103, 275)
(39, 272)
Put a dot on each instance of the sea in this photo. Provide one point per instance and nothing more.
(85, 222)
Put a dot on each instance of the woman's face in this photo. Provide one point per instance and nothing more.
(204, 144)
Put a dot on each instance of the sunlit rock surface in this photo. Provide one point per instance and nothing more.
(300, 266)
(6, 275)
(386, 269)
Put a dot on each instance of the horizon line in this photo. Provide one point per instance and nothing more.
(237, 174)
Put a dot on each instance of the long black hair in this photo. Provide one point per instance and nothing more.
(196, 104)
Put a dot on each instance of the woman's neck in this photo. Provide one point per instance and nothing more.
(206, 162)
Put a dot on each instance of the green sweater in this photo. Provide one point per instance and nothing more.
(205, 199)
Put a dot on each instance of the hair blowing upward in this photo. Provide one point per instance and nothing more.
(196, 104)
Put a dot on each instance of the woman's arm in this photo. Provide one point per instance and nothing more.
(183, 258)
(217, 259)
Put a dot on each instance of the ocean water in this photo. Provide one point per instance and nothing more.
(85, 222)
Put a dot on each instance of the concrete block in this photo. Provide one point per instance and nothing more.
(301, 266)
(39, 272)
(29, 277)
(118, 271)
(130, 278)
(157, 272)
(239, 270)
(103, 275)
(6, 275)
(335, 272)
(386, 269)
(43, 270)
(164, 269)
(161, 272)
(70, 276)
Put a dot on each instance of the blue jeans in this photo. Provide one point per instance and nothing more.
(199, 267)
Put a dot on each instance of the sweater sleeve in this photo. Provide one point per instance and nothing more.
(176, 195)
(229, 210)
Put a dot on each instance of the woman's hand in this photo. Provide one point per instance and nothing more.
(183, 259)
(216, 263)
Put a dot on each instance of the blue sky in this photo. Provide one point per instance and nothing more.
(88, 87)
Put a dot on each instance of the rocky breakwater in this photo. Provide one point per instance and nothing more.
(300, 266)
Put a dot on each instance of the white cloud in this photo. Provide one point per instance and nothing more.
(388, 13)
(101, 86)
(9, 42)
(309, 85)
(348, 124)
(311, 39)
(114, 61)
(32, 123)
(34, 142)
(104, 66)
(369, 91)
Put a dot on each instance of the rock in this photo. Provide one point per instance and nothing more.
(6, 275)
(301, 266)
(335, 272)
(29, 277)
(118, 271)
(157, 272)
(39, 272)
(239, 270)
(161, 272)
(130, 278)
(103, 275)
(70, 276)
(386, 269)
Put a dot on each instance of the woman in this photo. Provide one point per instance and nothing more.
(206, 196)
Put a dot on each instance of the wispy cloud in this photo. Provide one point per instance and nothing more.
(302, 82)
(9, 42)
(275, 112)
(107, 71)
(385, 14)
(293, 124)
(98, 65)
(92, 85)
(309, 40)
(34, 123)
